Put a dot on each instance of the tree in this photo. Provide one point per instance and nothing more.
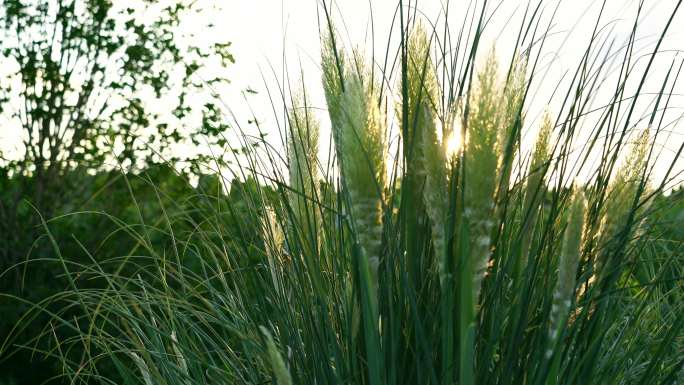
(83, 76)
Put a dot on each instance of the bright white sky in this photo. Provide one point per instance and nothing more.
(264, 32)
(277, 40)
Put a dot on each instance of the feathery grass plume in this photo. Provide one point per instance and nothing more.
(303, 170)
(142, 366)
(273, 233)
(359, 135)
(273, 241)
(480, 159)
(625, 184)
(514, 95)
(429, 152)
(362, 157)
(333, 66)
(361, 154)
(358, 130)
(567, 267)
(566, 281)
(421, 92)
(511, 121)
(535, 188)
(417, 84)
(621, 194)
(282, 375)
(435, 192)
(427, 158)
(481, 169)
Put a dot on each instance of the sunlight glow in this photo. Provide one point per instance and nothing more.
(453, 143)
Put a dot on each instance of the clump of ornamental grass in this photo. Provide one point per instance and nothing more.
(358, 126)
(504, 262)
(428, 162)
(494, 119)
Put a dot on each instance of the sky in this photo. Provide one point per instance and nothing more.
(276, 44)
(276, 41)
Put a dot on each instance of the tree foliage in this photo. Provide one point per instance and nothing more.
(81, 84)
(89, 88)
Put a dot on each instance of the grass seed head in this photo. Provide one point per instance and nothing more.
(179, 355)
(333, 64)
(512, 117)
(422, 88)
(362, 145)
(429, 153)
(624, 188)
(280, 372)
(303, 165)
(482, 167)
(567, 267)
(303, 145)
(534, 189)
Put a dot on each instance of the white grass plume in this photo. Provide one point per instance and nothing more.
(482, 169)
(567, 268)
(535, 188)
(304, 131)
(430, 152)
(358, 127)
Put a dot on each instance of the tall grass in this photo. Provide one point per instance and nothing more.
(489, 264)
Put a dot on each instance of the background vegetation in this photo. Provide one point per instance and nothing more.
(78, 88)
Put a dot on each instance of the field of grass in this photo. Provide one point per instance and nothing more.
(431, 247)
